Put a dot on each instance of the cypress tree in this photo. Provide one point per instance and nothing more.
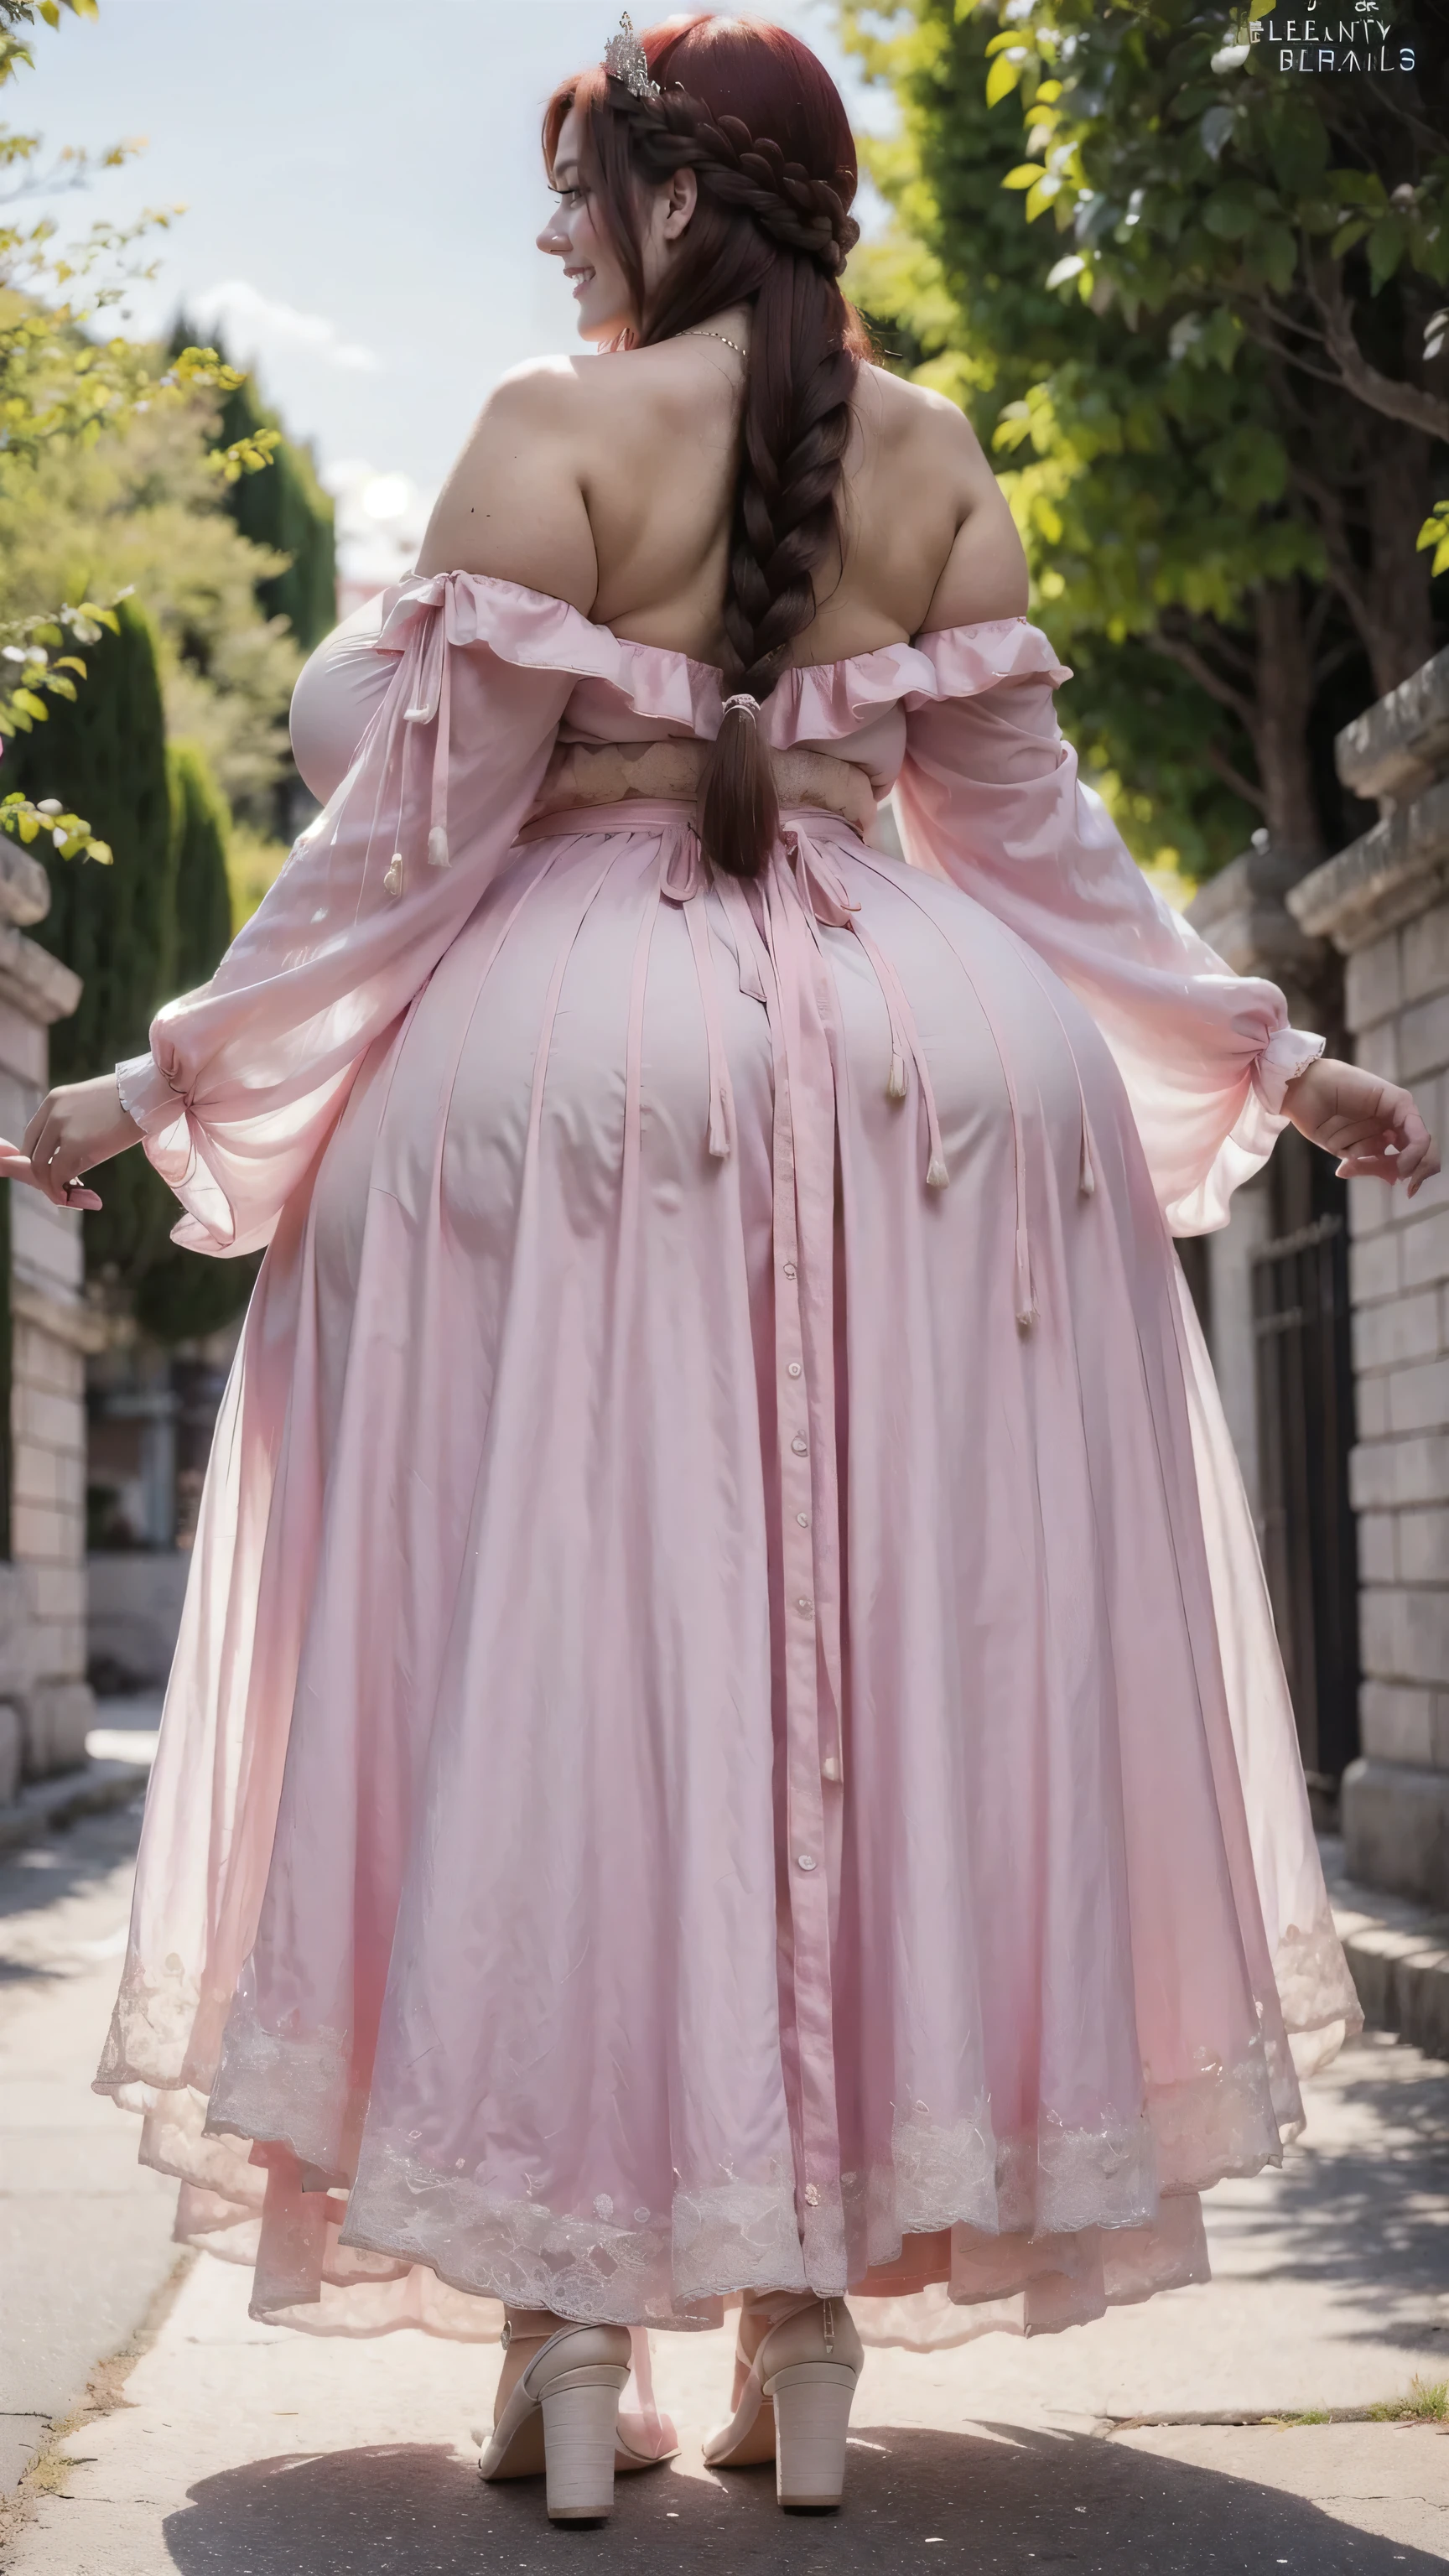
(104, 756)
(152, 924)
(283, 507)
(203, 896)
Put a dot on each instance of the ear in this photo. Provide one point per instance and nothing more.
(680, 200)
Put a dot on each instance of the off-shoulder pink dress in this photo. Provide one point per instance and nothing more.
(726, 1730)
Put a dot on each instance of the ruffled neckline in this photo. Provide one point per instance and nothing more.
(811, 701)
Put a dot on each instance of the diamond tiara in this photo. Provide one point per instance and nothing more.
(625, 60)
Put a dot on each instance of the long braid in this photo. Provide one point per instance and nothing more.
(799, 385)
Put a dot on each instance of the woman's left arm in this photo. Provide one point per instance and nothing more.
(1372, 1126)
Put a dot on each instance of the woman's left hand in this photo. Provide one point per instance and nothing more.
(75, 1127)
(1371, 1125)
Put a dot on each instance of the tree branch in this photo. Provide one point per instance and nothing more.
(1187, 656)
(1387, 394)
(1219, 763)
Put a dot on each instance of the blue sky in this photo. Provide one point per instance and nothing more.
(362, 189)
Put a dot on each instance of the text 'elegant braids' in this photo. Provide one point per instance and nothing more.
(774, 232)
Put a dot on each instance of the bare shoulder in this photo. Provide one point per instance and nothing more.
(512, 506)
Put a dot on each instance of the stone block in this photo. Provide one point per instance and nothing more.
(1404, 1634)
(1423, 1547)
(1370, 1208)
(1400, 743)
(1406, 1328)
(1373, 983)
(1423, 1041)
(41, 1534)
(1423, 1242)
(1385, 1474)
(56, 1591)
(23, 1052)
(134, 1614)
(1397, 1723)
(1423, 955)
(12, 1753)
(1396, 1828)
(1419, 1396)
(46, 1242)
(38, 1415)
(1377, 1554)
(59, 1715)
(1380, 1049)
(1371, 1398)
(1373, 1266)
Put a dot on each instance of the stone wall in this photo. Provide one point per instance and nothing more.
(45, 1705)
(1384, 903)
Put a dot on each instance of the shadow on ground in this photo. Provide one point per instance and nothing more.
(1030, 2502)
(1363, 2205)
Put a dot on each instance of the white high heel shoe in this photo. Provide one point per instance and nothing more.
(795, 2407)
(562, 2419)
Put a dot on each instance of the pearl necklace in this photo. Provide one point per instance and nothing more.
(722, 336)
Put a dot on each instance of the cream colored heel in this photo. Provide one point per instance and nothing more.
(561, 2420)
(579, 2416)
(795, 2406)
(812, 2418)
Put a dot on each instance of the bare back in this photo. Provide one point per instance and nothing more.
(609, 482)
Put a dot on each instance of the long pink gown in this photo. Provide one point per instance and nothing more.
(726, 1729)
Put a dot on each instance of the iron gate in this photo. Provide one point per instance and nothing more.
(1305, 1432)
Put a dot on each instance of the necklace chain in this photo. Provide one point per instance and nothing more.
(722, 336)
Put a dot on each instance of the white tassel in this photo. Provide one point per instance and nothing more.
(1086, 1177)
(937, 1175)
(438, 852)
(896, 1084)
(393, 881)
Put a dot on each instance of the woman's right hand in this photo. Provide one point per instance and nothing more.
(75, 1127)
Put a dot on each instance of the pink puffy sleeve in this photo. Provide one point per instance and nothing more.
(245, 1078)
(990, 797)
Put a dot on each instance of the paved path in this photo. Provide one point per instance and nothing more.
(237, 2450)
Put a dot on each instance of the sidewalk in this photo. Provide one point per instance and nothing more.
(241, 2451)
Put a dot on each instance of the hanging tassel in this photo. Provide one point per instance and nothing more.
(1086, 1177)
(393, 881)
(1026, 1306)
(937, 1175)
(896, 1081)
(438, 852)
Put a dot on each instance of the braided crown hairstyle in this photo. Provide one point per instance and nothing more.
(758, 119)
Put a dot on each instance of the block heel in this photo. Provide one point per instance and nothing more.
(562, 2419)
(794, 2406)
(580, 2415)
(812, 2418)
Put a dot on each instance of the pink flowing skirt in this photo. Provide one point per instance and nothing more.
(699, 1755)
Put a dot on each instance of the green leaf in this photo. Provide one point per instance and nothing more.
(1388, 243)
(1003, 77)
(1231, 212)
(1025, 175)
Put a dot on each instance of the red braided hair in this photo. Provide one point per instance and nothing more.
(758, 119)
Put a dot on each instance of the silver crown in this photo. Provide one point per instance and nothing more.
(625, 60)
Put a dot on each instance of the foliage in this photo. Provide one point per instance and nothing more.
(1189, 496)
(154, 922)
(61, 383)
(254, 861)
(140, 511)
(288, 512)
(115, 926)
(200, 830)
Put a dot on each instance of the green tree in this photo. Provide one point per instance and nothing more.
(1178, 514)
(61, 385)
(200, 828)
(288, 512)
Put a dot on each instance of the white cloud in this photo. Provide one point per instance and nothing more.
(381, 515)
(255, 321)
